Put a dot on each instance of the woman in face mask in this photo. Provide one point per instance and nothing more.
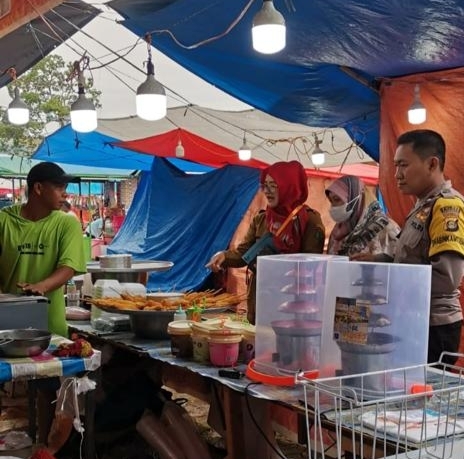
(360, 224)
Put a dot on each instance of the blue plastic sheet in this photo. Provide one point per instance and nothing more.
(184, 219)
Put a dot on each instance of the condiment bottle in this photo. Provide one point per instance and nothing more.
(72, 295)
(180, 314)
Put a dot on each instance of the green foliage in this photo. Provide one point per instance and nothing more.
(49, 92)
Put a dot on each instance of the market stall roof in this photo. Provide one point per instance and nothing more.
(17, 167)
(26, 35)
(270, 138)
(96, 153)
(336, 53)
(203, 151)
(107, 155)
(116, 59)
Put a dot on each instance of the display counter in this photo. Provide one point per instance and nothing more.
(244, 412)
(240, 409)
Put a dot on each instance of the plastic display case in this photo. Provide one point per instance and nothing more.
(291, 293)
(376, 317)
(335, 317)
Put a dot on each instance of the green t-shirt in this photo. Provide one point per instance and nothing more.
(31, 251)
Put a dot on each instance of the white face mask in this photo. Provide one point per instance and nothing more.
(340, 214)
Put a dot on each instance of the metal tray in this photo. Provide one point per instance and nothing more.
(138, 312)
(137, 267)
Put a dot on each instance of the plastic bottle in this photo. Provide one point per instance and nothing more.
(180, 314)
(72, 295)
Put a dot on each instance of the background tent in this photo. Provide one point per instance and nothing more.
(99, 154)
(186, 231)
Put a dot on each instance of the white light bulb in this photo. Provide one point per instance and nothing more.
(244, 155)
(417, 113)
(318, 159)
(151, 101)
(18, 111)
(268, 32)
(180, 151)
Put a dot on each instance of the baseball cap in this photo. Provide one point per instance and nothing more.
(49, 172)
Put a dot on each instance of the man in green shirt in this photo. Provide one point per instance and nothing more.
(41, 248)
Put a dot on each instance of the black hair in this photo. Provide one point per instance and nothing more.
(425, 143)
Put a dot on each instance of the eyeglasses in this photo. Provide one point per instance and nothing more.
(270, 187)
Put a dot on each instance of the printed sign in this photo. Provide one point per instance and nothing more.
(351, 321)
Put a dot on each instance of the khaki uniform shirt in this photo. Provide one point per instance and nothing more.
(434, 234)
(312, 242)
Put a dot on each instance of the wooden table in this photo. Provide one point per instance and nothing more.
(46, 366)
(240, 410)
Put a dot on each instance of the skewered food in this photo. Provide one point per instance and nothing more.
(206, 300)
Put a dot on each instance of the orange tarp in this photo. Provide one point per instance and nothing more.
(442, 93)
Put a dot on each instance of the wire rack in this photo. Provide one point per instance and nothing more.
(413, 412)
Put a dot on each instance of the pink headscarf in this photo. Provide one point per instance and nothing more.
(292, 183)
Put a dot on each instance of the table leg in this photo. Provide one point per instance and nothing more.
(90, 408)
(32, 409)
(249, 432)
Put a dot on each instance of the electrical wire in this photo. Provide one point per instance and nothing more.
(250, 413)
(210, 39)
(292, 142)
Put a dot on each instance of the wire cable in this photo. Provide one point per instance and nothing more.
(263, 434)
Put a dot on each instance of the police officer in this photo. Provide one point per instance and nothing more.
(433, 233)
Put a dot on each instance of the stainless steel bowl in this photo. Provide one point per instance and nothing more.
(23, 342)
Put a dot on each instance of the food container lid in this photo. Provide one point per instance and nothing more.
(180, 327)
(199, 328)
(133, 288)
(165, 295)
(225, 338)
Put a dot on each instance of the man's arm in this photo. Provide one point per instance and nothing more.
(56, 279)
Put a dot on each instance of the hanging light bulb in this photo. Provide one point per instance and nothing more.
(318, 155)
(244, 153)
(83, 112)
(18, 111)
(417, 113)
(268, 31)
(151, 99)
(180, 151)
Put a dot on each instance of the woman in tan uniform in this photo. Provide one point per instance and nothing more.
(287, 225)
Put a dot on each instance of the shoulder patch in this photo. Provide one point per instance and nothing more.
(446, 227)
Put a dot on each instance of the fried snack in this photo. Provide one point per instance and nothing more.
(206, 299)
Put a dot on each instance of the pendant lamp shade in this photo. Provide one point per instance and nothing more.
(151, 101)
(83, 114)
(18, 111)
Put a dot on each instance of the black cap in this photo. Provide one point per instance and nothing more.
(49, 172)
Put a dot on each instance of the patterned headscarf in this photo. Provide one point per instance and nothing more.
(364, 224)
(292, 184)
(346, 188)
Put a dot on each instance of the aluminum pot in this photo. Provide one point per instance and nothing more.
(23, 342)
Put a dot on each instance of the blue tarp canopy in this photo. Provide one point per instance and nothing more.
(169, 220)
(99, 157)
(336, 53)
